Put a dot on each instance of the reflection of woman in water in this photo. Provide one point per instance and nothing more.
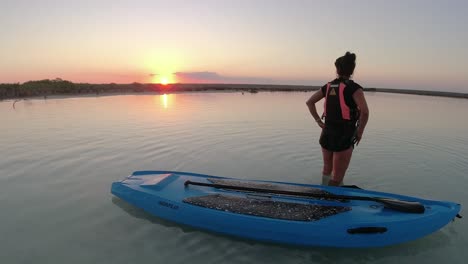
(346, 114)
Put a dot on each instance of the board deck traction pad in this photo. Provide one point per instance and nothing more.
(263, 206)
(276, 187)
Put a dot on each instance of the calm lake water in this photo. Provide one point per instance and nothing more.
(60, 156)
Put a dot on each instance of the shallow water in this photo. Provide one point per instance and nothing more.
(60, 156)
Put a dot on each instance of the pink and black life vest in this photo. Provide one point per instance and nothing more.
(337, 107)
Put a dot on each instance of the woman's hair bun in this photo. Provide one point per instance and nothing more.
(350, 56)
(345, 64)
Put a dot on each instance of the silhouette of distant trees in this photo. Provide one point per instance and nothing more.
(36, 88)
(62, 87)
(8, 90)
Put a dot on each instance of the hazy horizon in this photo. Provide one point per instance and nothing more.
(399, 44)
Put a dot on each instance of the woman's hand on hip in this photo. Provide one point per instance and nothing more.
(320, 123)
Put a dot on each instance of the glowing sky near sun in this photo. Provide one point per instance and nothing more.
(399, 44)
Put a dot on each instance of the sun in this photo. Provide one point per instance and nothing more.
(165, 77)
(164, 81)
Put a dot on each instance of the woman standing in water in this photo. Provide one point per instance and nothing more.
(345, 115)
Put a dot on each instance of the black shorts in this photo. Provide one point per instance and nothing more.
(338, 137)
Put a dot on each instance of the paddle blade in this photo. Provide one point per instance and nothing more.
(403, 206)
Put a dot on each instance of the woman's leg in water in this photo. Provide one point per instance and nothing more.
(340, 165)
(327, 166)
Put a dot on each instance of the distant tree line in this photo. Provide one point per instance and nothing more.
(63, 87)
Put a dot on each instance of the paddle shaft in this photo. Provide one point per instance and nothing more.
(405, 206)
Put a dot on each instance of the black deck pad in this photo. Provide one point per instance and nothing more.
(266, 207)
(275, 187)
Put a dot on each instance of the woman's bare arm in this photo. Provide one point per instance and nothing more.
(317, 96)
(361, 103)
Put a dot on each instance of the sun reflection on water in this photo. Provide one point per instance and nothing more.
(166, 100)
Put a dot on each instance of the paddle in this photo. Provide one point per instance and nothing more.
(398, 205)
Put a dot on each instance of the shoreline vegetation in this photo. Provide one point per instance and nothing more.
(59, 87)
